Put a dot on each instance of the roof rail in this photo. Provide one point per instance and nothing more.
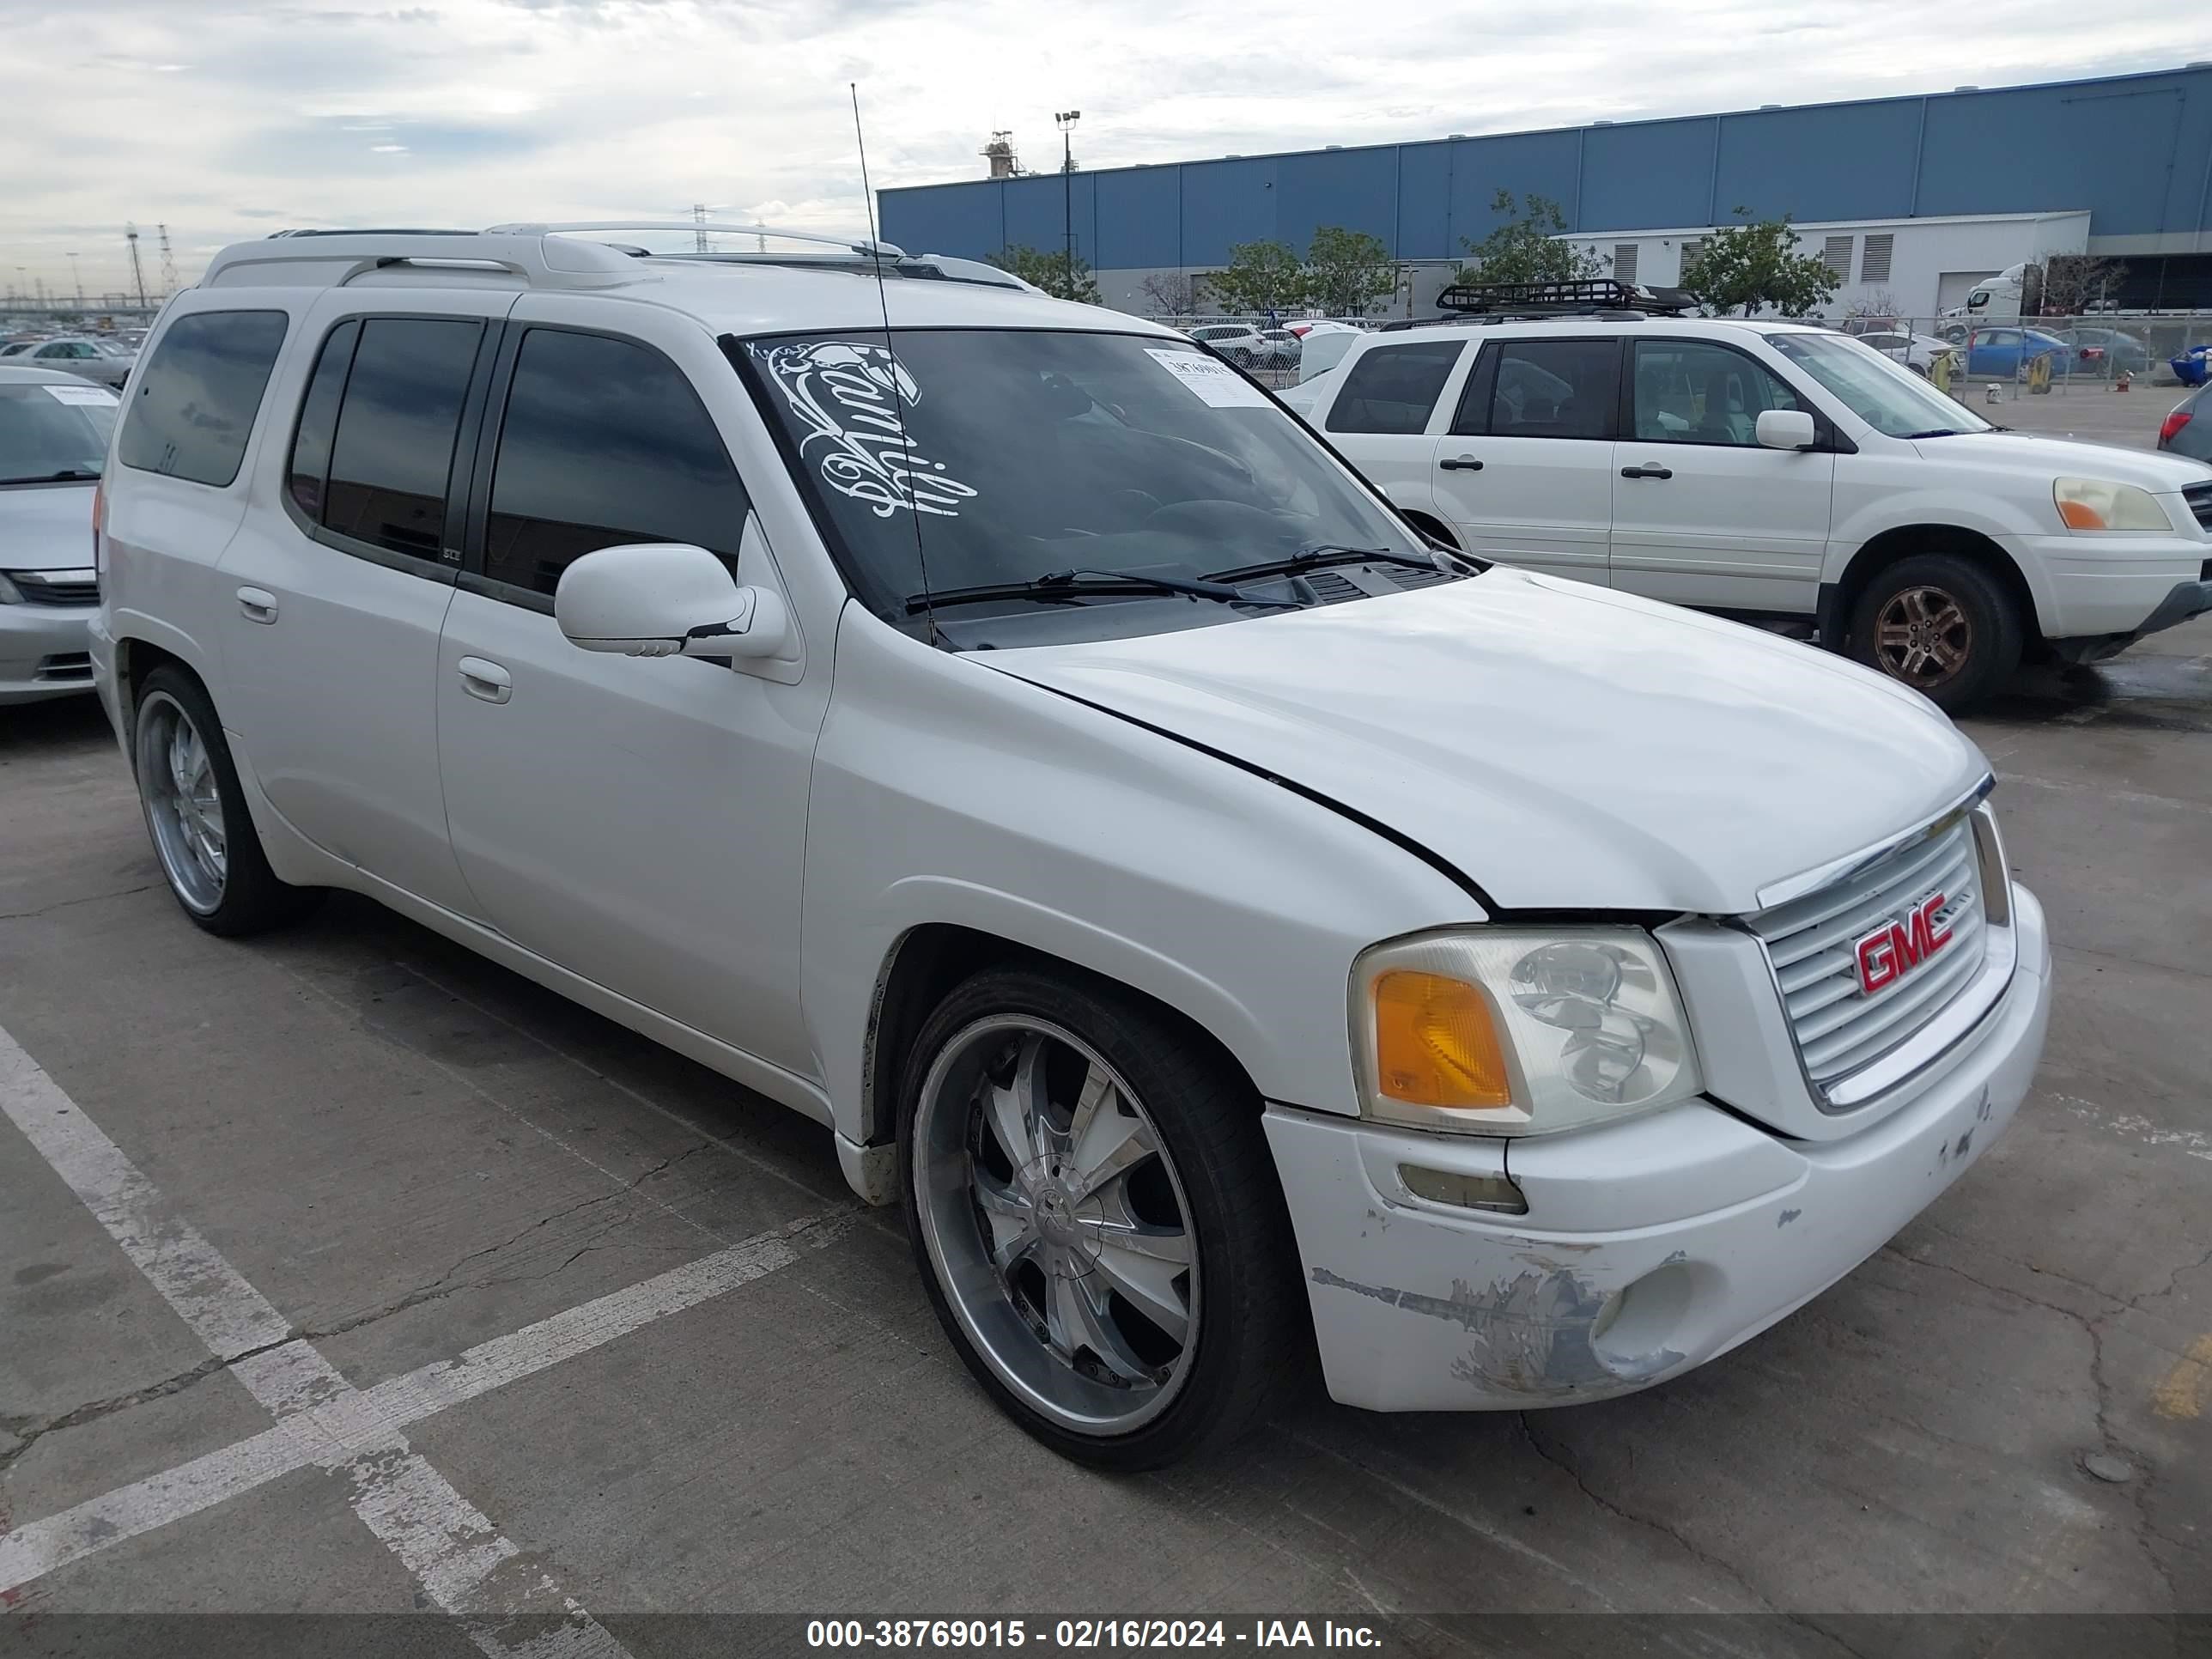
(860, 245)
(1587, 298)
(333, 259)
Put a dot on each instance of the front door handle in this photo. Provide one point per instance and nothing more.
(481, 678)
(1459, 464)
(258, 604)
(1649, 470)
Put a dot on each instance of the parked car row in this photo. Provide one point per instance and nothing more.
(105, 362)
(1290, 345)
(1227, 920)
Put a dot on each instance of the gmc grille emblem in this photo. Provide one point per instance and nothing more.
(1896, 948)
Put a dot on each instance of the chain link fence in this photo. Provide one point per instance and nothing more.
(2043, 356)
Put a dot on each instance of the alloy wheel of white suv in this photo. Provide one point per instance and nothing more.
(204, 838)
(1094, 1211)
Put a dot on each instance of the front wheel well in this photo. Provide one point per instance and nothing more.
(923, 968)
(1885, 549)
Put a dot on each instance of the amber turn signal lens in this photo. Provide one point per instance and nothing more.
(2080, 515)
(1435, 1044)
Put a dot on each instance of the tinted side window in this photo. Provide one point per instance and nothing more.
(198, 395)
(603, 442)
(1555, 389)
(1691, 393)
(1393, 388)
(310, 470)
(393, 453)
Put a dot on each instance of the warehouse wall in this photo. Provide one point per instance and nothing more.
(2134, 150)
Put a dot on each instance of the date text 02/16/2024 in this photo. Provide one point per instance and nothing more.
(1085, 1634)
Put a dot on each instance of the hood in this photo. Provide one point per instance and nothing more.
(1564, 746)
(2070, 458)
(46, 526)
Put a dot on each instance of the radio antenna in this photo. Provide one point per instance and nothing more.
(884, 305)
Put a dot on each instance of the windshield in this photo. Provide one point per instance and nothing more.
(50, 432)
(1891, 399)
(1009, 454)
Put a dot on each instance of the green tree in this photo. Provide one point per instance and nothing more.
(1347, 271)
(1054, 272)
(1260, 277)
(1526, 249)
(1753, 265)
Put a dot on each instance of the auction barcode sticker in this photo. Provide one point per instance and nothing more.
(1210, 379)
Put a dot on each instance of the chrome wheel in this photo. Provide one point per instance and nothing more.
(1921, 636)
(183, 802)
(1056, 1223)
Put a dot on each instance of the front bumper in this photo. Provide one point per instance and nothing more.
(1650, 1246)
(43, 652)
(2090, 587)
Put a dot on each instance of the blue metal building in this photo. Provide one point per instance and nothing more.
(2134, 151)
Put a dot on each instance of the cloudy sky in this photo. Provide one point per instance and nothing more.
(227, 120)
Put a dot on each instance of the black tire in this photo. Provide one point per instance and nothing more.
(1963, 612)
(1250, 1332)
(249, 898)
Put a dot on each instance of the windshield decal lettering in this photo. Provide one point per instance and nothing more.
(847, 395)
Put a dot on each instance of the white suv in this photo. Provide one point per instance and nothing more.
(1774, 470)
(992, 727)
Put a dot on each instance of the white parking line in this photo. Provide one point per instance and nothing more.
(464, 1563)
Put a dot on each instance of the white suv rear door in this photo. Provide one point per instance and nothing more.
(1396, 396)
(1702, 513)
(336, 588)
(1524, 474)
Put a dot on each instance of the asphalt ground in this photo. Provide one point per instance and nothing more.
(342, 1272)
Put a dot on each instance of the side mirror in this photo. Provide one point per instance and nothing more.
(666, 599)
(1786, 429)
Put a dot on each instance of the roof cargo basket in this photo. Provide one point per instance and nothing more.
(1551, 298)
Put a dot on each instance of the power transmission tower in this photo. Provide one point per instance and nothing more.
(699, 218)
(137, 270)
(168, 263)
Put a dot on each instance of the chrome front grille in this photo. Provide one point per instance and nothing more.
(2199, 497)
(56, 587)
(1812, 942)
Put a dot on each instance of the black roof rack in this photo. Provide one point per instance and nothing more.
(1504, 302)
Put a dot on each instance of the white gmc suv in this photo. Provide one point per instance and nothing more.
(1772, 469)
(994, 729)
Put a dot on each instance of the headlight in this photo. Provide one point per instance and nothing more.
(2097, 504)
(1513, 1031)
(9, 593)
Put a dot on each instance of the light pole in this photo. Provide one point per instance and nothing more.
(1067, 120)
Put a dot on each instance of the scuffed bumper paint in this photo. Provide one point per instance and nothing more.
(1650, 1246)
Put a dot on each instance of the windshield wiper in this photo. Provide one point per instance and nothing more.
(1323, 553)
(67, 475)
(1058, 585)
(1933, 432)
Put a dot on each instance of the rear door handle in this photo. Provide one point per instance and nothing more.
(1459, 464)
(258, 604)
(481, 678)
(1649, 470)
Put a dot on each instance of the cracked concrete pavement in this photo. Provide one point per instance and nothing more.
(410, 1152)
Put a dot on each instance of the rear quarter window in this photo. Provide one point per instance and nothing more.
(1393, 389)
(195, 402)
